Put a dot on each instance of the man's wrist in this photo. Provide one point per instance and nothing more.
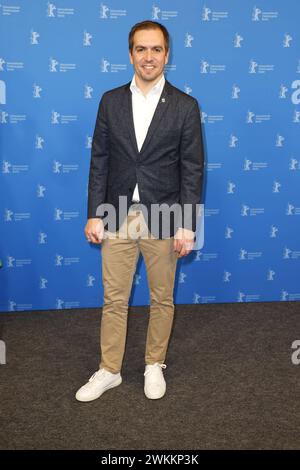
(186, 232)
(94, 217)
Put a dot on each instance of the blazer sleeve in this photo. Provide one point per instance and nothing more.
(191, 166)
(99, 162)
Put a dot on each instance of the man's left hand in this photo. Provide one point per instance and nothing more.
(183, 241)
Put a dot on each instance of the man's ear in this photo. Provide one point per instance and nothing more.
(130, 57)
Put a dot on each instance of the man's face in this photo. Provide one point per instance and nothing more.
(149, 54)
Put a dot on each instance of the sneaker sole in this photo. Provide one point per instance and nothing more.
(155, 398)
(108, 387)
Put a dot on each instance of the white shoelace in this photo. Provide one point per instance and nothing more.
(97, 374)
(153, 367)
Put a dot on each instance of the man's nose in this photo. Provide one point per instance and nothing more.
(149, 54)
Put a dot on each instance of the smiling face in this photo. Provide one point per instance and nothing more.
(148, 55)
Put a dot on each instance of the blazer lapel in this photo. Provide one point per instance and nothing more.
(128, 117)
(161, 108)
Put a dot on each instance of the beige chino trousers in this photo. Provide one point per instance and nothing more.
(120, 253)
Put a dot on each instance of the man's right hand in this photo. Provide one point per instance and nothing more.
(94, 230)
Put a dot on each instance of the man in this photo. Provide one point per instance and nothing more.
(147, 148)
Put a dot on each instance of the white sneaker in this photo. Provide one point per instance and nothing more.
(155, 384)
(100, 381)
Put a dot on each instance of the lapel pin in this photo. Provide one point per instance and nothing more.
(163, 100)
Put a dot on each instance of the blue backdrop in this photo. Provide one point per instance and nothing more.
(240, 59)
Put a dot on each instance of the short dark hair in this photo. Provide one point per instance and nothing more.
(149, 25)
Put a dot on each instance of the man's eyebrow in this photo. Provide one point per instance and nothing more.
(152, 47)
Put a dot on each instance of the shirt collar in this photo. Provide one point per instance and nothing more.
(156, 89)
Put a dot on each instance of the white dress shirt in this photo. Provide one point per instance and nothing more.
(143, 108)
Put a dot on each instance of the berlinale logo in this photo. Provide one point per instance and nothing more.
(2, 92)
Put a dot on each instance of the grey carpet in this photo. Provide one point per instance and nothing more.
(230, 381)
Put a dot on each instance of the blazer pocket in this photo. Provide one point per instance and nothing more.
(169, 176)
(168, 133)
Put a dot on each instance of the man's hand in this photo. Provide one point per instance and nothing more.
(94, 230)
(183, 241)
